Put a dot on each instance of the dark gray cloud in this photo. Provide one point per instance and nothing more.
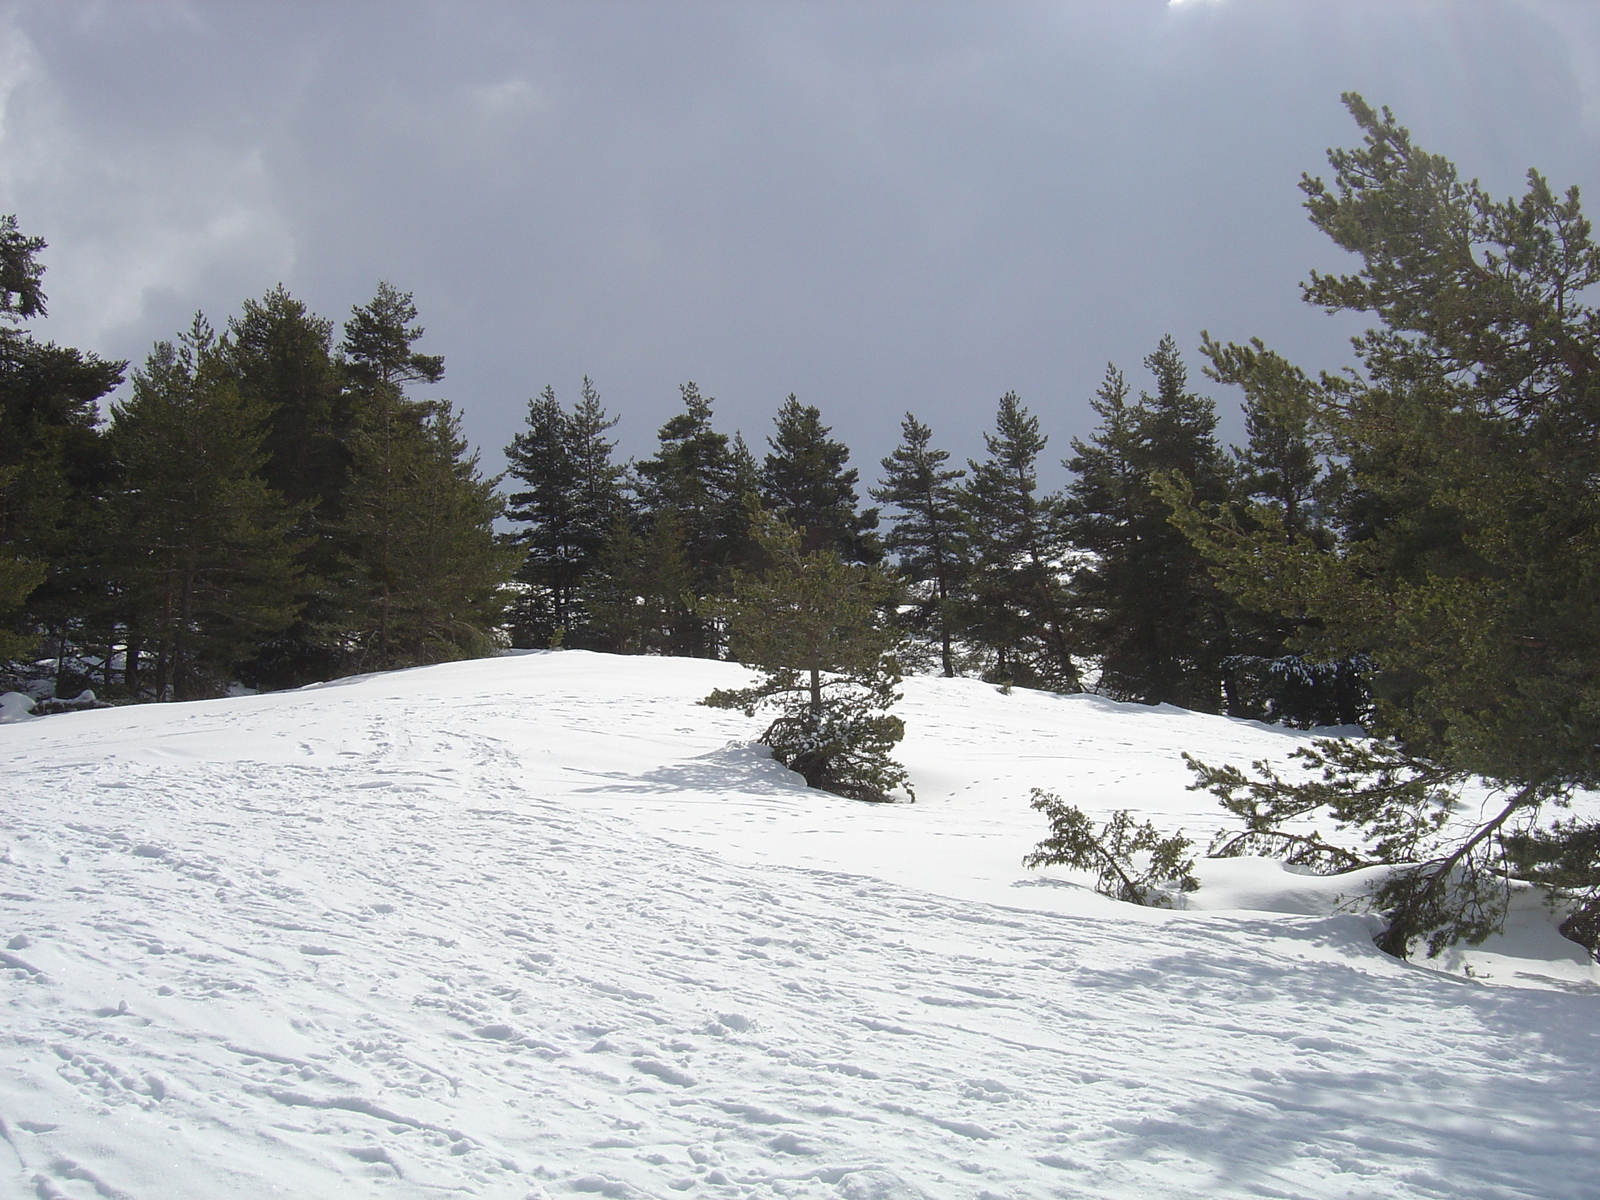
(878, 206)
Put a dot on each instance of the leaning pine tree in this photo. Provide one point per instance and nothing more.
(814, 627)
(1467, 574)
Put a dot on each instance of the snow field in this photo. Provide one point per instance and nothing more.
(541, 926)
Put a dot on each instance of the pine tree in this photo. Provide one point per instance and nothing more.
(434, 574)
(805, 483)
(1283, 468)
(21, 273)
(1154, 618)
(600, 496)
(1017, 605)
(640, 595)
(538, 456)
(927, 536)
(698, 476)
(377, 343)
(573, 500)
(203, 554)
(282, 358)
(52, 464)
(1468, 565)
(426, 572)
(813, 626)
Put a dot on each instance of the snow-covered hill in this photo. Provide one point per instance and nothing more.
(540, 925)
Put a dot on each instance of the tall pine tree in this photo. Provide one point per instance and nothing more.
(806, 484)
(1150, 611)
(426, 573)
(927, 535)
(572, 502)
(1017, 604)
(282, 358)
(700, 476)
(202, 552)
(52, 464)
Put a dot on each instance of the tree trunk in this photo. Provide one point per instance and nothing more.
(1069, 669)
(944, 627)
(61, 658)
(1396, 939)
(182, 647)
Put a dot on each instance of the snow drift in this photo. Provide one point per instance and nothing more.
(542, 926)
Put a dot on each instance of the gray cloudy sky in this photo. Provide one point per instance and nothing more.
(878, 206)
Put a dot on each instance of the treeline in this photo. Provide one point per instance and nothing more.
(267, 506)
(270, 505)
(1089, 587)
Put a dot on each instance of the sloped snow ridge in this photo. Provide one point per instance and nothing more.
(540, 926)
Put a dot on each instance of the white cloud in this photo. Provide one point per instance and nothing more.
(506, 98)
(126, 220)
(163, 234)
(19, 68)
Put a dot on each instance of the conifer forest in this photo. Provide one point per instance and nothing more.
(1411, 546)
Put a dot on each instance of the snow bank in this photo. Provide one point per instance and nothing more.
(14, 706)
(541, 926)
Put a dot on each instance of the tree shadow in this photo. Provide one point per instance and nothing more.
(744, 767)
(1498, 1099)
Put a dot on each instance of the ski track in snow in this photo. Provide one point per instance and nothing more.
(362, 941)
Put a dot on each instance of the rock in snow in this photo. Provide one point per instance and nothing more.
(541, 926)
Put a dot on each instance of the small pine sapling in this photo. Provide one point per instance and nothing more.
(1132, 862)
(814, 627)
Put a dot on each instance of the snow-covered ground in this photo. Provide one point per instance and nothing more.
(541, 926)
